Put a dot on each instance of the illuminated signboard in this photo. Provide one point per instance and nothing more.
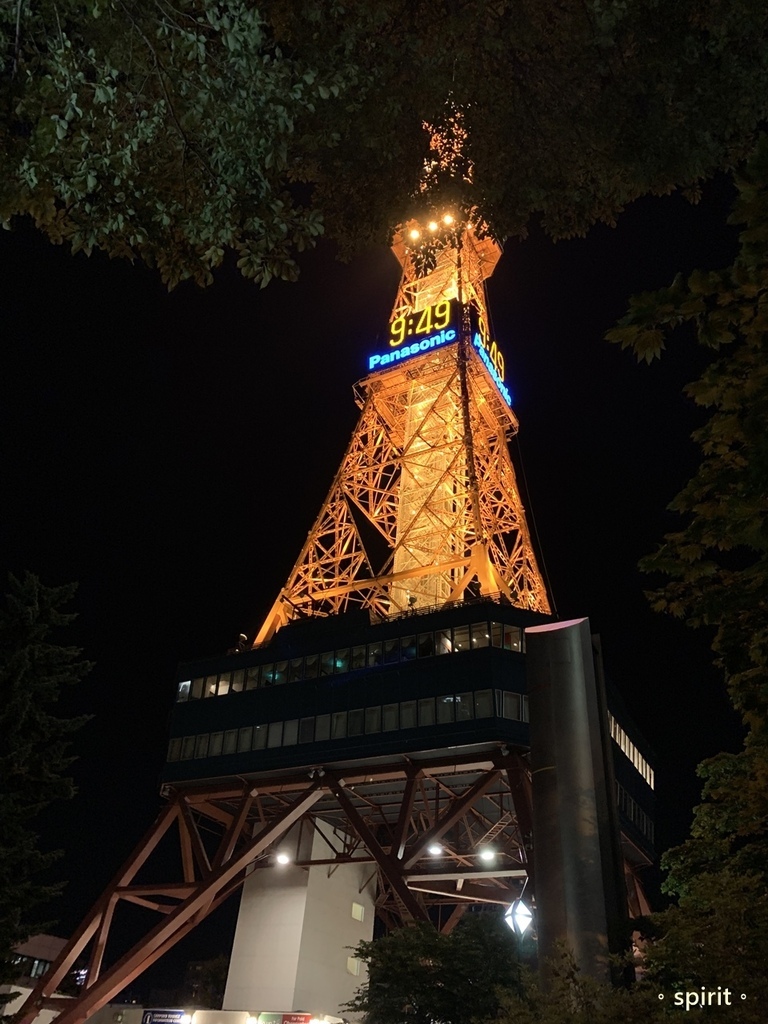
(415, 333)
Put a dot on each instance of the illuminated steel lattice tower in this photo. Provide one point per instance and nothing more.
(424, 510)
(379, 733)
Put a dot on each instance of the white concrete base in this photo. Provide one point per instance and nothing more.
(294, 932)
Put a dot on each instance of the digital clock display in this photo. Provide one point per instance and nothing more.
(426, 321)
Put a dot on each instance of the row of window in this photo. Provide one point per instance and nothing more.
(349, 659)
(634, 812)
(407, 714)
(628, 747)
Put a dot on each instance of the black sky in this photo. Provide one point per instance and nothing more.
(170, 451)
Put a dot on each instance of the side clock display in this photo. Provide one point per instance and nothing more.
(415, 326)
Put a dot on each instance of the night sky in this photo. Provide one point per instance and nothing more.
(170, 452)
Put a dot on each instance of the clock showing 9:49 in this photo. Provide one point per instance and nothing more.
(424, 322)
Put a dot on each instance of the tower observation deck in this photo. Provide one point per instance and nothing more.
(376, 732)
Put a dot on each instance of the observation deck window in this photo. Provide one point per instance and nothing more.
(238, 680)
(217, 744)
(480, 635)
(291, 732)
(408, 648)
(426, 647)
(408, 714)
(375, 655)
(311, 666)
(373, 719)
(484, 704)
(355, 722)
(201, 746)
(295, 670)
(357, 658)
(443, 644)
(326, 663)
(461, 638)
(392, 651)
(445, 709)
(244, 739)
(322, 728)
(390, 718)
(275, 735)
(464, 707)
(339, 725)
(341, 663)
(306, 730)
(427, 711)
(230, 741)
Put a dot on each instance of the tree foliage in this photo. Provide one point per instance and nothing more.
(173, 130)
(34, 744)
(417, 975)
(716, 567)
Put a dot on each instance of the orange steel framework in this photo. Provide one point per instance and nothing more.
(425, 509)
(428, 475)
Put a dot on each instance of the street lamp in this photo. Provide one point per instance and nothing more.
(519, 917)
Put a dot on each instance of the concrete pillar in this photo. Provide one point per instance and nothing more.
(575, 824)
(293, 931)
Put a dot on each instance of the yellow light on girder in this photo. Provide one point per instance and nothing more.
(432, 225)
(414, 234)
(447, 219)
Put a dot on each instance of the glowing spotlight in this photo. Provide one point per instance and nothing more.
(414, 234)
(432, 225)
(283, 858)
(447, 220)
(487, 854)
(435, 849)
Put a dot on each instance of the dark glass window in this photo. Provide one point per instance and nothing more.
(461, 638)
(290, 732)
(238, 680)
(465, 707)
(197, 689)
(373, 719)
(512, 638)
(295, 670)
(230, 741)
(390, 719)
(408, 648)
(480, 635)
(497, 634)
(311, 666)
(443, 644)
(307, 730)
(484, 704)
(201, 745)
(187, 748)
(244, 739)
(339, 725)
(524, 708)
(426, 645)
(391, 651)
(252, 677)
(408, 714)
(260, 733)
(322, 728)
(445, 709)
(511, 706)
(174, 749)
(341, 664)
(183, 690)
(374, 655)
(427, 711)
(355, 723)
(275, 735)
(358, 657)
(209, 689)
(267, 675)
(217, 742)
(280, 674)
(326, 664)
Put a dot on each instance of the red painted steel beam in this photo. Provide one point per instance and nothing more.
(450, 816)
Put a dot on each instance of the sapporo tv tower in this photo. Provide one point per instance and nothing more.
(410, 734)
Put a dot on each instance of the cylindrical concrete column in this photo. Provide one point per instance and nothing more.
(573, 828)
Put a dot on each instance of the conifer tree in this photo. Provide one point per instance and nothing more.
(34, 746)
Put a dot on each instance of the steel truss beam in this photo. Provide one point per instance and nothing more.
(386, 815)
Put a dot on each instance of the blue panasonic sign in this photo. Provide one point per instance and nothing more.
(416, 348)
